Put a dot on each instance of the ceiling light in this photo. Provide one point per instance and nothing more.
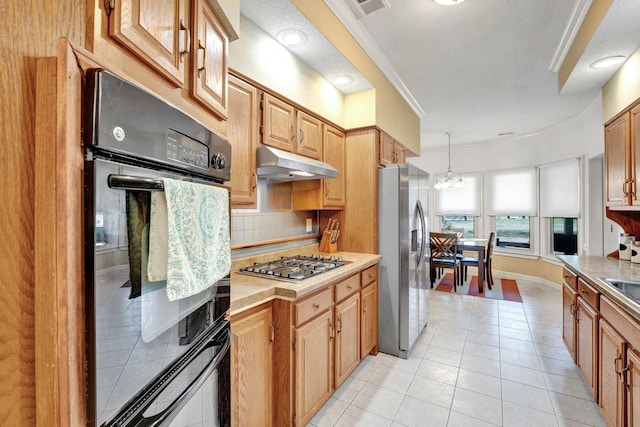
(292, 37)
(607, 62)
(450, 179)
(343, 80)
(448, 2)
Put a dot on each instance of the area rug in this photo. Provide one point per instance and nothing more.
(505, 289)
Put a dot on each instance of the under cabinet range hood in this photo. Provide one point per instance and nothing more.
(280, 165)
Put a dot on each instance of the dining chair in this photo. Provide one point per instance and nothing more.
(444, 250)
(467, 261)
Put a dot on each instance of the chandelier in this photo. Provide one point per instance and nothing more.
(450, 179)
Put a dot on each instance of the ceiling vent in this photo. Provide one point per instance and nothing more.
(362, 8)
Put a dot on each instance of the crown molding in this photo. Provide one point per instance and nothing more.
(580, 9)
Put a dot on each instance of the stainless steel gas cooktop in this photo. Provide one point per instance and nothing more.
(294, 269)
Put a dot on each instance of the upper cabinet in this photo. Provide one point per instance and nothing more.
(622, 160)
(186, 46)
(242, 132)
(390, 150)
(210, 59)
(290, 129)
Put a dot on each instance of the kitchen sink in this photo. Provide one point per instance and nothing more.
(630, 288)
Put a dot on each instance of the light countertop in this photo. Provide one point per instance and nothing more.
(249, 291)
(592, 269)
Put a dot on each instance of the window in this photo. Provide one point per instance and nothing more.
(458, 207)
(511, 199)
(457, 222)
(564, 239)
(513, 232)
(560, 204)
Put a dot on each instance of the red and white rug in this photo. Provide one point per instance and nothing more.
(505, 289)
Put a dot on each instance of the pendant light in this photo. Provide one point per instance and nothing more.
(450, 179)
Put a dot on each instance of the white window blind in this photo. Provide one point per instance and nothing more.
(460, 201)
(560, 189)
(511, 192)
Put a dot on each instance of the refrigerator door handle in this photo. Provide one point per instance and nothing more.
(423, 243)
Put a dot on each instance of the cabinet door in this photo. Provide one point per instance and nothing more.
(568, 319)
(252, 369)
(586, 343)
(347, 338)
(635, 154)
(309, 142)
(210, 59)
(157, 31)
(387, 154)
(611, 362)
(314, 366)
(616, 156)
(369, 334)
(242, 132)
(334, 188)
(399, 153)
(633, 388)
(278, 123)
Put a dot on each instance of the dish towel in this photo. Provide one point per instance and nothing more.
(189, 238)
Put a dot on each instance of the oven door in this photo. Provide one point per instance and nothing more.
(133, 331)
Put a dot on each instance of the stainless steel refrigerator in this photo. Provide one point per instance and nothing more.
(403, 279)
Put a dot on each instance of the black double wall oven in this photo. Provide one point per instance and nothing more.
(151, 361)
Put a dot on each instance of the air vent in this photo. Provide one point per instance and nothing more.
(365, 7)
(505, 133)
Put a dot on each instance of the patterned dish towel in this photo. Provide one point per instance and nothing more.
(189, 238)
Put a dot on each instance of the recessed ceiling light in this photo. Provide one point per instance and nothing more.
(292, 37)
(343, 80)
(448, 2)
(607, 62)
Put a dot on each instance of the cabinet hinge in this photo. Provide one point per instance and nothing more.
(109, 5)
(261, 130)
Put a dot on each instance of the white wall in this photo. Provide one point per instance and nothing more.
(579, 136)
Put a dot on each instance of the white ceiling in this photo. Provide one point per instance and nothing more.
(479, 68)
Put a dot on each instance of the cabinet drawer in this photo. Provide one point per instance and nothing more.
(312, 306)
(587, 292)
(570, 278)
(369, 275)
(347, 287)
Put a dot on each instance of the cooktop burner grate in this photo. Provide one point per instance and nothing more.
(293, 269)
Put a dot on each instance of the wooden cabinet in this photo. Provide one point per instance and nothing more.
(313, 366)
(611, 357)
(209, 67)
(633, 387)
(175, 40)
(252, 367)
(622, 159)
(278, 123)
(569, 295)
(242, 133)
(369, 329)
(399, 153)
(387, 149)
(326, 193)
(347, 355)
(155, 31)
(587, 343)
(309, 140)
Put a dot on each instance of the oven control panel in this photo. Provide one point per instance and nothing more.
(186, 150)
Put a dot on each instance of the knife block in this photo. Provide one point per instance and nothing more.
(326, 245)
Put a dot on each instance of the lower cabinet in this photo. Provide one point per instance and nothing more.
(252, 367)
(587, 343)
(633, 387)
(611, 396)
(569, 295)
(369, 329)
(347, 338)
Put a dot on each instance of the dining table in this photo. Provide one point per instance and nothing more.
(479, 246)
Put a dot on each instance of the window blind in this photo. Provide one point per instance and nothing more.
(511, 192)
(460, 201)
(560, 189)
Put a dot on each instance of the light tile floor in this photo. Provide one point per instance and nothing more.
(479, 362)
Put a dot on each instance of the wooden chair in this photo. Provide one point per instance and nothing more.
(467, 261)
(444, 250)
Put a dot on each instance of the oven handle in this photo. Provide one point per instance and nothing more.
(165, 417)
(127, 182)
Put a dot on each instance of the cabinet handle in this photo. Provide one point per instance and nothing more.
(331, 330)
(364, 306)
(615, 365)
(273, 333)
(293, 132)
(624, 188)
(301, 136)
(316, 305)
(255, 181)
(572, 309)
(201, 56)
(349, 287)
(339, 324)
(184, 39)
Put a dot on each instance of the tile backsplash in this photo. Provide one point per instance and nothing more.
(249, 227)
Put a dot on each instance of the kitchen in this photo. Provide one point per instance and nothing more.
(19, 266)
